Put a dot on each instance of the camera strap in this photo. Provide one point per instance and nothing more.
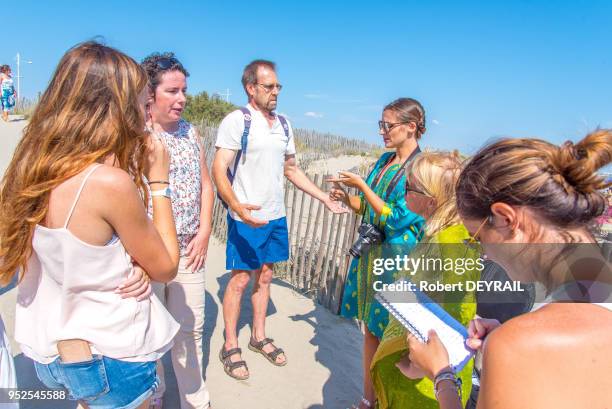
(397, 176)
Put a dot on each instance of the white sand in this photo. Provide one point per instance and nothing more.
(332, 166)
(323, 350)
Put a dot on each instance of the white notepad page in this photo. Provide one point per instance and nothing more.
(419, 314)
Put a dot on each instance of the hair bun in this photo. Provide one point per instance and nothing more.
(577, 153)
(578, 163)
(421, 127)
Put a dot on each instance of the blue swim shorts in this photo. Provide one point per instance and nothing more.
(102, 383)
(248, 248)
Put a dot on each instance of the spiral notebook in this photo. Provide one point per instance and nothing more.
(419, 314)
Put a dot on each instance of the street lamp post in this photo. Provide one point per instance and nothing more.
(226, 94)
(19, 76)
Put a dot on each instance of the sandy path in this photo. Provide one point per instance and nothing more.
(324, 351)
(332, 166)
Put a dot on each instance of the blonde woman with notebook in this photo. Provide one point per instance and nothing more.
(430, 192)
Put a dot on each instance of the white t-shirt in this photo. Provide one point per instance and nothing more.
(259, 178)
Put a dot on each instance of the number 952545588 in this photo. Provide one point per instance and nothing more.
(41, 394)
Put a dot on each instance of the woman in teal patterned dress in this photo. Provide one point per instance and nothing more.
(7, 92)
(403, 123)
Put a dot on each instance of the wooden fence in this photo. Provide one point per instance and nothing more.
(318, 239)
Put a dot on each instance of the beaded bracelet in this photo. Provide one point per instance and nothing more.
(161, 182)
(446, 375)
(366, 402)
(439, 391)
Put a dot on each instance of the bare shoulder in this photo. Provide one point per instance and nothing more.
(567, 345)
(553, 328)
(111, 180)
(564, 318)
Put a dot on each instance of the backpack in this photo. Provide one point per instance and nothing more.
(246, 114)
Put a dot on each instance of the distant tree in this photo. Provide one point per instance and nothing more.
(203, 107)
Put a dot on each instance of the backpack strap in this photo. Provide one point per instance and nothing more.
(244, 140)
(247, 127)
(285, 125)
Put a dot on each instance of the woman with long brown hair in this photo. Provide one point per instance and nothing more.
(72, 218)
(529, 203)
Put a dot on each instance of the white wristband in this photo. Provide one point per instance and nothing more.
(167, 192)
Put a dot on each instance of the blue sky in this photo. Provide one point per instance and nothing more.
(481, 69)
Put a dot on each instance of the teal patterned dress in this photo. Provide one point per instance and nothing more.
(7, 94)
(401, 227)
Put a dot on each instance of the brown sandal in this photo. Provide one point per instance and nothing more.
(256, 346)
(229, 366)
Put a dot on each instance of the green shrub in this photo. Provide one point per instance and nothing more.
(202, 107)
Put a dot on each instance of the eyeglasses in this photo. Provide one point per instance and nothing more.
(269, 87)
(166, 63)
(474, 242)
(415, 190)
(387, 126)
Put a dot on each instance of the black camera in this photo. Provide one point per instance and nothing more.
(368, 235)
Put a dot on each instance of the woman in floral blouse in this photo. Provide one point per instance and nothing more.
(192, 202)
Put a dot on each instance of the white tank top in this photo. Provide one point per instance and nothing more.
(67, 292)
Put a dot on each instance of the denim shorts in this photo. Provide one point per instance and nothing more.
(102, 383)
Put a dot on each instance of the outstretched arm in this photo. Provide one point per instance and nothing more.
(354, 180)
(337, 192)
(301, 181)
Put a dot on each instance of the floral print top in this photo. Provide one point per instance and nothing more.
(185, 179)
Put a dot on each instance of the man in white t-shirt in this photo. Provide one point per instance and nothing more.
(255, 148)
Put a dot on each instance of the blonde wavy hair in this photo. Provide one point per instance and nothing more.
(89, 112)
(435, 173)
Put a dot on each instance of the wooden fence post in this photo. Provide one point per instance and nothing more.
(296, 254)
(306, 250)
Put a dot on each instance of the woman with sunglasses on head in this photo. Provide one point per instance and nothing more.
(530, 203)
(383, 206)
(8, 96)
(192, 202)
(72, 219)
(430, 192)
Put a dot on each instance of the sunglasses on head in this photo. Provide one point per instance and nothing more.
(412, 189)
(166, 63)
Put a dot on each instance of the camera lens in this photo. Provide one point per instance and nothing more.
(356, 248)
